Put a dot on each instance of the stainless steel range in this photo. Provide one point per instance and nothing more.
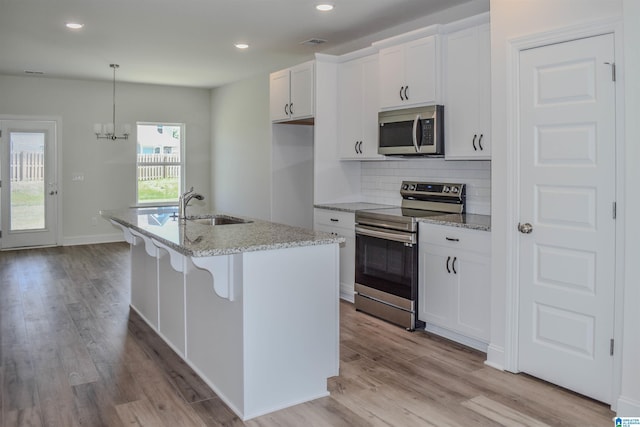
(387, 250)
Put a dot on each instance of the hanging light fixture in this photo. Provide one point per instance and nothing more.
(108, 131)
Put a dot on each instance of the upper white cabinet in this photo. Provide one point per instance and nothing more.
(409, 73)
(468, 87)
(358, 109)
(291, 93)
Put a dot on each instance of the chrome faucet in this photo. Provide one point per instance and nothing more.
(184, 200)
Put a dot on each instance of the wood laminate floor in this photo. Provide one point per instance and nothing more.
(73, 354)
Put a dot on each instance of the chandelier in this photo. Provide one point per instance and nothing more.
(107, 131)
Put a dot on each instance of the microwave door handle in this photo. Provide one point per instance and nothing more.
(415, 128)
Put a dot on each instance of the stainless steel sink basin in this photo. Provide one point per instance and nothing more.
(217, 220)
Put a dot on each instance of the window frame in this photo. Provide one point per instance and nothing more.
(181, 163)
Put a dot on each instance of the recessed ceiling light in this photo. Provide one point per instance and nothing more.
(242, 45)
(324, 7)
(74, 25)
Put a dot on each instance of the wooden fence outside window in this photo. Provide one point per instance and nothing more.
(29, 166)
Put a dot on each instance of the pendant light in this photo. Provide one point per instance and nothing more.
(108, 131)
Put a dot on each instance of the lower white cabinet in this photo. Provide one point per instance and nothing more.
(454, 288)
(342, 224)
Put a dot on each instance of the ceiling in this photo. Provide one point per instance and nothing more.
(185, 42)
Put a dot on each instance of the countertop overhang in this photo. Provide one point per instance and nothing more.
(201, 240)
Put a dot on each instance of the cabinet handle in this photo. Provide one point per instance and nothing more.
(453, 265)
(355, 147)
(291, 108)
(474, 143)
(286, 109)
(406, 95)
(334, 220)
(360, 147)
(480, 142)
(448, 259)
(401, 98)
(452, 239)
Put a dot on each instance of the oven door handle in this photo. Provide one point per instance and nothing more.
(409, 238)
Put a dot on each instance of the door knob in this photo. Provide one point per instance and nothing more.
(525, 228)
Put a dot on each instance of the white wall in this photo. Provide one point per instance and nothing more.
(629, 402)
(511, 19)
(108, 167)
(241, 148)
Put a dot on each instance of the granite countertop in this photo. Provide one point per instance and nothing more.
(352, 206)
(467, 220)
(200, 240)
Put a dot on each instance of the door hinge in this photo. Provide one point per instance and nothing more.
(613, 70)
(611, 347)
(614, 210)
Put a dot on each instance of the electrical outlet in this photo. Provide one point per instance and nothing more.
(77, 176)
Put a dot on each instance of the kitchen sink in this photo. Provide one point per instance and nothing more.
(217, 220)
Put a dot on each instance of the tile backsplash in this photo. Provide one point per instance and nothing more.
(381, 180)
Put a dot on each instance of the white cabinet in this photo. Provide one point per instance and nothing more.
(358, 109)
(342, 224)
(291, 93)
(410, 73)
(468, 94)
(454, 288)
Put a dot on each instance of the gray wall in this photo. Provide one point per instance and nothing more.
(241, 148)
(108, 167)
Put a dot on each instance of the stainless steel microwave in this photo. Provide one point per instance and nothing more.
(412, 131)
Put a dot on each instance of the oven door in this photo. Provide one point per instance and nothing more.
(387, 261)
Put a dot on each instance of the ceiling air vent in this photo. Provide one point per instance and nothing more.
(313, 42)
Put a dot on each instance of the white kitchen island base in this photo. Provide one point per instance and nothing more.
(269, 342)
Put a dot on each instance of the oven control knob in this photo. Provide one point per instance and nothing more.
(445, 189)
(412, 187)
(454, 189)
(405, 186)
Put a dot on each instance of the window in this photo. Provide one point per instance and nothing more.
(159, 163)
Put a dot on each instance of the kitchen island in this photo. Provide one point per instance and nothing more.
(251, 306)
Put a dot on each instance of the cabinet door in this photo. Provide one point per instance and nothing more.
(350, 109)
(436, 286)
(279, 95)
(392, 76)
(302, 91)
(472, 272)
(421, 71)
(370, 106)
(468, 103)
(342, 224)
(484, 82)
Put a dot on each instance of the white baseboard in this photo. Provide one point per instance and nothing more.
(454, 336)
(627, 407)
(347, 293)
(93, 239)
(495, 357)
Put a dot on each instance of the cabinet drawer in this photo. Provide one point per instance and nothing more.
(455, 237)
(335, 219)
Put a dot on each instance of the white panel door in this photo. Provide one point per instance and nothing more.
(567, 189)
(29, 183)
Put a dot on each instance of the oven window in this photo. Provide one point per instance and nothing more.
(386, 265)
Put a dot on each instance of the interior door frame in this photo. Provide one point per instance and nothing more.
(57, 161)
(512, 297)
